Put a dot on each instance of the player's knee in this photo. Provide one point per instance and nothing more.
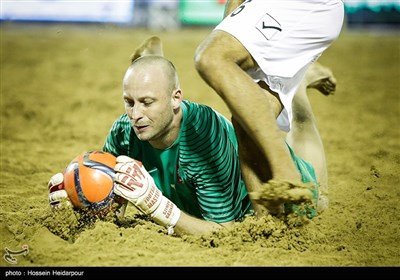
(200, 61)
(205, 61)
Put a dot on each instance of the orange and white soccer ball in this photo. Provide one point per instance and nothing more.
(89, 180)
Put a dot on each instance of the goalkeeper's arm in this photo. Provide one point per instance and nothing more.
(136, 185)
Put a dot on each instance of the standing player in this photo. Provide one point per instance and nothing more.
(255, 59)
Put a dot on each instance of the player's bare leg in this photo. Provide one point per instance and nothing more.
(304, 136)
(221, 61)
(255, 169)
(267, 195)
(305, 139)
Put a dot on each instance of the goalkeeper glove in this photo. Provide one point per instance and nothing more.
(58, 197)
(136, 185)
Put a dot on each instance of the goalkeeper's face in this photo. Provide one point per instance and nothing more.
(153, 105)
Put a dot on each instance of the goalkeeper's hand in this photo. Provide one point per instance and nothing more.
(58, 197)
(136, 185)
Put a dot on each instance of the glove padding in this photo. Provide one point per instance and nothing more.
(136, 185)
(58, 197)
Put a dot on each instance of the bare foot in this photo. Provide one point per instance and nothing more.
(274, 194)
(150, 46)
(282, 191)
(321, 78)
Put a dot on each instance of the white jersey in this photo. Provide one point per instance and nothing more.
(284, 37)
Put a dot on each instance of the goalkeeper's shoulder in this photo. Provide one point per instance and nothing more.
(122, 123)
(118, 136)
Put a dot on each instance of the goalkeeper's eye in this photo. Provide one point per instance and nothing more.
(129, 102)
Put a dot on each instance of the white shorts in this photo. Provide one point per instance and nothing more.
(284, 37)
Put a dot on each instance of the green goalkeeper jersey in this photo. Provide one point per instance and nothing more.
(200, 172)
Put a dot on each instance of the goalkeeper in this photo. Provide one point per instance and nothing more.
(178, 161)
